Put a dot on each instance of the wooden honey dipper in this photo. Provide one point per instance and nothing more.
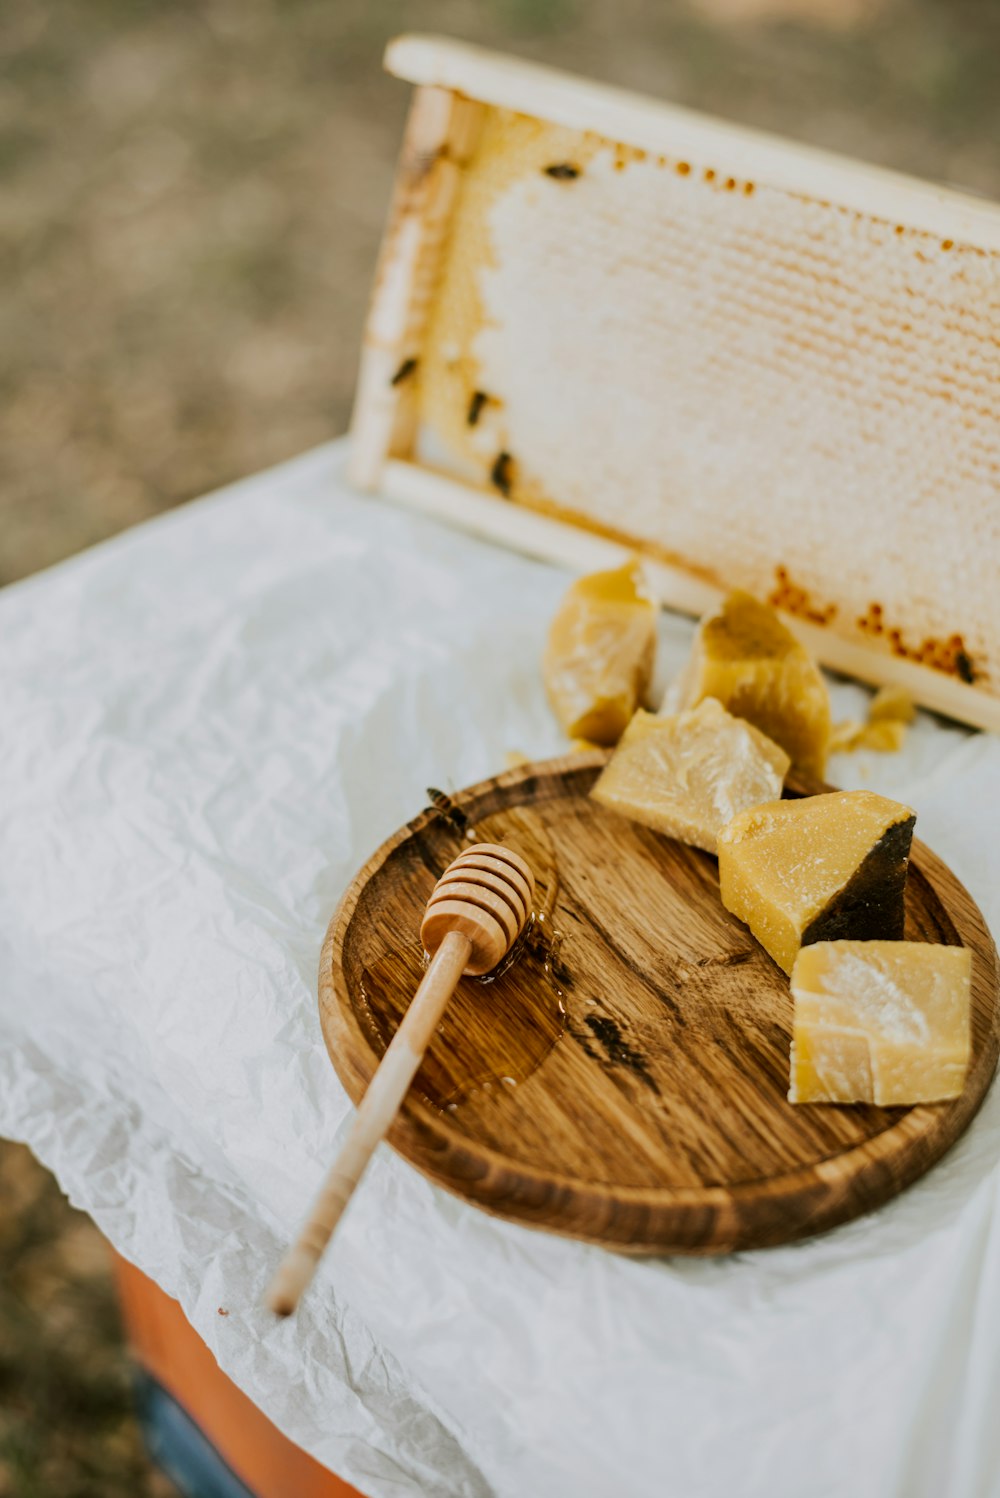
(478, 909)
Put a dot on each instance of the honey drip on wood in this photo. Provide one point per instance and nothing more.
(497, 1029)
(492, 1036)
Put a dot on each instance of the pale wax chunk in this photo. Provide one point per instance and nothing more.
(886, 735)
(817, 868)
(885, 1022)
(600, 653)
(688, 775)
(744, 656)
(890, 711)
(891, 704)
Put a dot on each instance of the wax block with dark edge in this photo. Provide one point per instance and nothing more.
(870, 907)
(820, 868)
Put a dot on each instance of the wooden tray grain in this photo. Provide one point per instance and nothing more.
(632, 1091)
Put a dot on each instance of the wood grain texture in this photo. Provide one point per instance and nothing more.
(439, 134)
(654, 125)
(629, 1088)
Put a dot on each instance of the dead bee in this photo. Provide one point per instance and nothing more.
(501, 476)
(964, 667)
(562, 171)
(448, 811)
(476, 404)
(404, 371)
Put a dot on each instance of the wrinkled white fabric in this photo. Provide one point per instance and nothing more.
(206, 726)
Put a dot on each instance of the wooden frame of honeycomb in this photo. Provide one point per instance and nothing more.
(603, 325)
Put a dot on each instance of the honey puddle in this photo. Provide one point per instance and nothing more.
(497, 1030)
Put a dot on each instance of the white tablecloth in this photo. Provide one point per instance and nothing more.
(206, 726)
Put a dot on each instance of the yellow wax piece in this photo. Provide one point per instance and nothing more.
(688, 775)
(599, 657)
(887, 735)
(817, 868)
(891, 705)
(883, 1022)
(884, 734)
(845, 736)
(745, 657)
(889, 713)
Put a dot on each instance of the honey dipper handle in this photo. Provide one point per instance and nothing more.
(379, 1106)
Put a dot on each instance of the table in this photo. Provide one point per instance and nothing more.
(206, 725)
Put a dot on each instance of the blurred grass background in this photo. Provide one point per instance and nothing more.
(191, 196)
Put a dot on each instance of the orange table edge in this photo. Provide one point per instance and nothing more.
(166, 1346)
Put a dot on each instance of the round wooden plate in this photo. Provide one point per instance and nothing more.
(630, 1087)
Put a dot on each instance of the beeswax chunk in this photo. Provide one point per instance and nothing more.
(745, 657)
(845, 736)
(600, 652)
(687, 776)
(891, 705)
(889, 713)
(883, 734)
(817, 869)
(883, 1022)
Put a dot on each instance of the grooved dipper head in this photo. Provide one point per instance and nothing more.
(487, 894)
